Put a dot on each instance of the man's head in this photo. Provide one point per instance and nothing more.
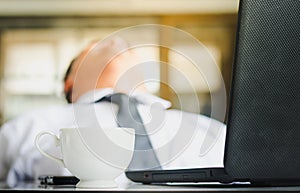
(100, 65)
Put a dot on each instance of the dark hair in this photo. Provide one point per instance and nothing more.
(68, 94)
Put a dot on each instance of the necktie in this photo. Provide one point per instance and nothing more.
(144, 156)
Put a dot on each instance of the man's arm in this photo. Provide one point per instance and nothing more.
(3, 155)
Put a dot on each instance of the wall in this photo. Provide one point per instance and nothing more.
(59, 31)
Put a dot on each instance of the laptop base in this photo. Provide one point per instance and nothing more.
(180, 175)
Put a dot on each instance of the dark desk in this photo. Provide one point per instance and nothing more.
(154, 188)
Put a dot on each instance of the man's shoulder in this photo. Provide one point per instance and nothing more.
(46, 110)
(185, 113)
(191, 116)
(40, 114)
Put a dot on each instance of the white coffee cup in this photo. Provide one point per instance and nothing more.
(94, 171)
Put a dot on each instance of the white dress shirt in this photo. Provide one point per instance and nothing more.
(180, 139)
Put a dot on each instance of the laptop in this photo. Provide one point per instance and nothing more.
(263, 123)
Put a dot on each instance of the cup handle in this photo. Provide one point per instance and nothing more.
(37, 138)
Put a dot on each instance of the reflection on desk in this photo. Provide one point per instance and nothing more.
(174, 187)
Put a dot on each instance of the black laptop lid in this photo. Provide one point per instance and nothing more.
(263, 137)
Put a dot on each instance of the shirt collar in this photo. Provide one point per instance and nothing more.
(142, 97)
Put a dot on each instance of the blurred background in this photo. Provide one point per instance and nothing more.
(39, 38)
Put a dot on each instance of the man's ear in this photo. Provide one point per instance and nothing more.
(68, 85)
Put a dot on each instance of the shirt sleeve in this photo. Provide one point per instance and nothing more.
(19, 158)
(13, 135)
(3, 158)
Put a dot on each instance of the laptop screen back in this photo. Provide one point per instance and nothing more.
(263, 137)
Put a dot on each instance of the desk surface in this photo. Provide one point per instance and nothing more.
(155, 188)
